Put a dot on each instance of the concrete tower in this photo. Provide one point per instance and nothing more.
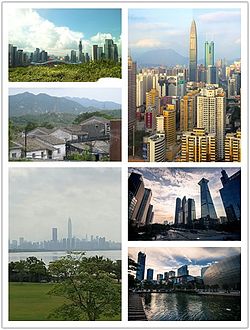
(193, 53)
(207, 205)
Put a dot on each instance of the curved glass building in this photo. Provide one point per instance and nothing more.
(226, 272)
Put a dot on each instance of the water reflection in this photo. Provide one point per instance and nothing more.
(190, 307)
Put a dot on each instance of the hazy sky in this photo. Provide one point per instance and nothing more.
(42, 198)
(99, 94)
(164, 259)
(169, 183)
(170, 28)
(58, 31)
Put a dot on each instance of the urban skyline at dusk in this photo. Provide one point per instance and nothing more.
(168, 184)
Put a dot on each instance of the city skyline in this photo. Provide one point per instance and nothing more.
(169, 184)
(90, 196)
(163, 259)
(100, 94)
(219, 25)
(58, 33)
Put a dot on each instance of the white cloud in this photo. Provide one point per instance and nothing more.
(219, 16)
(147, 43)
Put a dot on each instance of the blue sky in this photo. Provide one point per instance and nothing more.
(100, 94)
(169, 183)
(164, 259)
(58, 31)
(170, 28)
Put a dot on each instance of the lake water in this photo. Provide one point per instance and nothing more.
(54, 255)
(190, 307)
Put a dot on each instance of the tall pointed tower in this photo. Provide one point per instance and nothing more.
(207, 205)
(193, 53)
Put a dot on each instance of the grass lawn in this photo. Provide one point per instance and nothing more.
(30, 301)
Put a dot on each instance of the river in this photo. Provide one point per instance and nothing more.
(54, 255)
(190, 307)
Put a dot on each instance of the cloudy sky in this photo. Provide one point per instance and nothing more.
(42, 198)
(165, 259)
(169, 183)
(58, 31)
(170, 28)
(100, 94)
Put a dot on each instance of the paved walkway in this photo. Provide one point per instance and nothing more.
(135, 308)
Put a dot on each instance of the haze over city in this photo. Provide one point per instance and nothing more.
(168, 184)
(43, 198)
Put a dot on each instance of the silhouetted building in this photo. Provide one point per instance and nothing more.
(141, 260)
(150, 274)
(136, 192)
(182, 271)
(231, 195)
(207, 205)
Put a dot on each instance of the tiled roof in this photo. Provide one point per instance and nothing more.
(51, 139)
(33, 144)
(94, 120)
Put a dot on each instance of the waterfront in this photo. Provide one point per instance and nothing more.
(54, 255)
(190, 307)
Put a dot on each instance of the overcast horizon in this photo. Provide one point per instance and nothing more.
(97, 93)
(169, 183)
(43, 198)
(164, 259)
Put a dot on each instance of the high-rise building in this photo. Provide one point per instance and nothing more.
(80, 51)
(198, 146)
(177, 219)
(184, 208)
(193, 53)
(143, 209)
(69, 240)
(94, 52)
(211, 74)
(131, 99)
(136, 193)
(159, 277)
(169, 114)
(73, 56)
(231, 195)
(152, 99)
(171, 273)
(110, 50)
(141, 260)
(154, 148)
(211, 115)
(183, 271)
(150, 215)
(191, 211)
(209, 53)
(150, 274)
(54, 234)
(188, 111)
(207, 205)
(166, 276)
(233, 147)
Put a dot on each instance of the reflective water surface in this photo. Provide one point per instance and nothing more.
(190, 307)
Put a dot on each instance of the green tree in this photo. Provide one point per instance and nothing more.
(89, 285)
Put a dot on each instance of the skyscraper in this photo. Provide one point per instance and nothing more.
(150, 274)
(80, 51)
(188, 112)
(94, 52)
(131, 99)
(191, 211)
(136, 192)
(141, 260)
(143, 210)
(211, 115)
(69, 231)
(233, 147)
(54, 234)
(182, 271)
(231, 195)
(209, 53)
(177, 211)
(207, 205)
(193, 53)
(154, 148)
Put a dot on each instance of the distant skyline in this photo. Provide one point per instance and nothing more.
(168, 28)
(169, 183)
(164, 259)
(58, 31)
(99, 94)
(44, 198)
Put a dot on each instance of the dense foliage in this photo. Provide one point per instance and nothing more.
(91, 71)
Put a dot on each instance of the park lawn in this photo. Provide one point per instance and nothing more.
(30, 301)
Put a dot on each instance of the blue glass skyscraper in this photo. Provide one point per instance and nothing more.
(207, 205)
(141, 260)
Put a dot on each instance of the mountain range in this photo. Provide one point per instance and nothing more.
(30, 104)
